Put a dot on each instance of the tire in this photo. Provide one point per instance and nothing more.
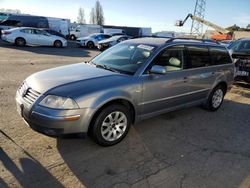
(111, 125)
(58, 44)
(90, 45)
(247, 79)
(216, 98)
(20, 41)
(72, 37)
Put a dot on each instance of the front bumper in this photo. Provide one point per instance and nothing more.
(54, 122)
(103, 47)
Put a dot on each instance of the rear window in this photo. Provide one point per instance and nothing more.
(198, 56)
(219, 56)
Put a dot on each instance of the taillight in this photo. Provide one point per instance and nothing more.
(6, 32)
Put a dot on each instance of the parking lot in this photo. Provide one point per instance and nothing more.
(192, 148)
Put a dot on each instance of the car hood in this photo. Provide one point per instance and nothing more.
(51, 78)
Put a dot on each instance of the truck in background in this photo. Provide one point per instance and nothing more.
(60, 25)
(84, 31)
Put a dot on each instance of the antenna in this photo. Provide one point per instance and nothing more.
(199, 11)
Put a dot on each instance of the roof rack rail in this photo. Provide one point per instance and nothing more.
(201, 40)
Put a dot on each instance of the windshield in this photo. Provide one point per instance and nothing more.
(233, 45)
(126, 58)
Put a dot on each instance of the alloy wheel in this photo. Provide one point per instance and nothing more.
(114, 126)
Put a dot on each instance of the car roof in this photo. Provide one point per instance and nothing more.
(162, 41)
(244, 39)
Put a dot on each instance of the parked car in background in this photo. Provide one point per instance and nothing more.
(52, 32)
(132, 81)
(91, 41)
(84, 31)
(242, 62)
(105, 44)
(32, 36)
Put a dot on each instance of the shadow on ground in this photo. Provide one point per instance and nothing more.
(72, 50)
(188, 148)
(29, 174)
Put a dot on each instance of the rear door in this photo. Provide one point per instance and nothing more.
(202, 74)
(30, 36)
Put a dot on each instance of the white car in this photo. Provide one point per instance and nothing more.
(91, 41)
(32, 36)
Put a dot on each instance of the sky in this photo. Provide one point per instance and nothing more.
(160, 15)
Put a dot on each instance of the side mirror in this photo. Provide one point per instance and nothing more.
(240, 55)
(156, 69)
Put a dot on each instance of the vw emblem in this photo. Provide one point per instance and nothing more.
(24, 92)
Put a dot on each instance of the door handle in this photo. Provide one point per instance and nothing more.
(185, 79)
(213, 73)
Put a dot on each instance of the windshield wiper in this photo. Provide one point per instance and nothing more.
(106, 67)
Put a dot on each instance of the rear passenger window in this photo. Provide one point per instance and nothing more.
(219, 56)
(29, 31)
(198, 56)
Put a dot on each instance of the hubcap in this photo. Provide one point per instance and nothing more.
(20, 42)
(114, 126)
(217, 98)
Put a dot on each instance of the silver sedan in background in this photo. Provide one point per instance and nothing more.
(22, 36)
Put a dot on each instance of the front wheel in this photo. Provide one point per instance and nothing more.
(111, 125)
(58, 44)
(90, 45)
(216, 98)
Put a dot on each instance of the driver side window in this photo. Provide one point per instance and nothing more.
(171, 58)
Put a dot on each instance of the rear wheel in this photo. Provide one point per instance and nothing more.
(20, 42)
(72, 37)
(58, 44)
(90, 45)
(111, 125)
(216, 98)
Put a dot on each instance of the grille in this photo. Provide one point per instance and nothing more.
(28, 94)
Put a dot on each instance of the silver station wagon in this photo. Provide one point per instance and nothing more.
(129, 82)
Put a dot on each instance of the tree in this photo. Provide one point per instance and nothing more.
(81, 16)
(99, 15)
(96, 14)
(92, 18)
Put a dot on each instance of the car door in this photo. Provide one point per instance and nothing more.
(44, 38)
(202, 74)
(165, 91)
(30, 36)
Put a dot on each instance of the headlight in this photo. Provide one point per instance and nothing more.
(57, 102)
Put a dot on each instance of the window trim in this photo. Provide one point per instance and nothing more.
(184, 58)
